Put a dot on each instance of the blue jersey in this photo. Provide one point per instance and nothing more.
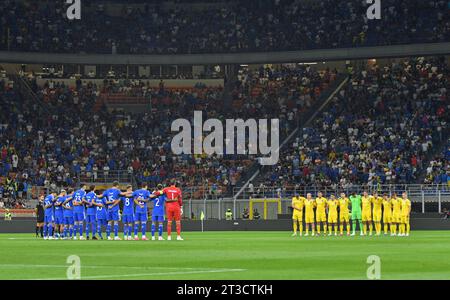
(101, 210)
(78, 198)
(48, 201)
(140, 195)
(158, 205)
(91, 209)
(128, 206)
(58, 205)
(112, 194)
(68, 213)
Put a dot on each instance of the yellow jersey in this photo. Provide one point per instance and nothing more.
(309, 206)
(406, 207)
(321, 203)
(377, 202)
(396, 206)
(298, 202)
(343, 205)
(332, 206)
(387, 207)
(366, 203)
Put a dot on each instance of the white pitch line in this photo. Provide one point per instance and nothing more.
(99, 267)
(150, 274)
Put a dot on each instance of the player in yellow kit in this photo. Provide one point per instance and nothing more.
(405, 212)
(396, 212)
(387, 214)
(366, 203)
(309, 205)
(297, 213)
(377, 203)
(321, 215)
(332, 215)
(344, 215)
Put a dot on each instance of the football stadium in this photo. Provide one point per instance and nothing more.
(224, 140)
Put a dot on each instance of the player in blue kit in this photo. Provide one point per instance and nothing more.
(68, 215)
(59, 214)
(158, 213)
(101, 214)
(48, 216)
(112, 197)
(128, 214)
(141, 198)
(91, 212)
(79, 211)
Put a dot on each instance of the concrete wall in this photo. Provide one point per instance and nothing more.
(319, 55)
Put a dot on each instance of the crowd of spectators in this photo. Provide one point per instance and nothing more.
(438, 170)
(238, 26)
(377, 130)
(70, 137)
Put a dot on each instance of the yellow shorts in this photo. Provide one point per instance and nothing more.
(366, 216)
(396, 218)
(344, 217)
(321, 217)
(404, 219)
(387, 218)
(332, 218)
(309, 218)
(377, 216)
(297, 215)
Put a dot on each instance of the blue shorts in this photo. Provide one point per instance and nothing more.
(59, 219)
(78, 217)
(90, 219)
(140, 217)
(113, 215)
(68, 220)
(48, 219)
(127, 219)
(103, 222)
(157, 218)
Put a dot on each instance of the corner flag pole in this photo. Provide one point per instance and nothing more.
(202, 217)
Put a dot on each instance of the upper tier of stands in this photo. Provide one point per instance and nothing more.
(238, 26)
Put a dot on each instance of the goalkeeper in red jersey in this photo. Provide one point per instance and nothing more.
(174, 209)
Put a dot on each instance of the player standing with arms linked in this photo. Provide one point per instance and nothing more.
(128, 214)
(79, 211)
(174, 209)
(141, 198)
(48, 216)
(158, 213)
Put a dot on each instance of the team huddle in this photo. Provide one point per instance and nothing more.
(66, 213)
(367, 210)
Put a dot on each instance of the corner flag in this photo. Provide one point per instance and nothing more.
(202, 217)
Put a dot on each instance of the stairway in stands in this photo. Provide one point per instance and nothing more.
(440, 145)
(24, 88)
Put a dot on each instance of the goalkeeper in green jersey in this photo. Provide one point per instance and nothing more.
(355, 201)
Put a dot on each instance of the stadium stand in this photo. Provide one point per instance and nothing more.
(240, 26)
(63, 136)
(378, 130)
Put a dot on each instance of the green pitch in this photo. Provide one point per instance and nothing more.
(230, 255)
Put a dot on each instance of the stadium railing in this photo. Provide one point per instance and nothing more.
(425, 198)
(101, 176)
